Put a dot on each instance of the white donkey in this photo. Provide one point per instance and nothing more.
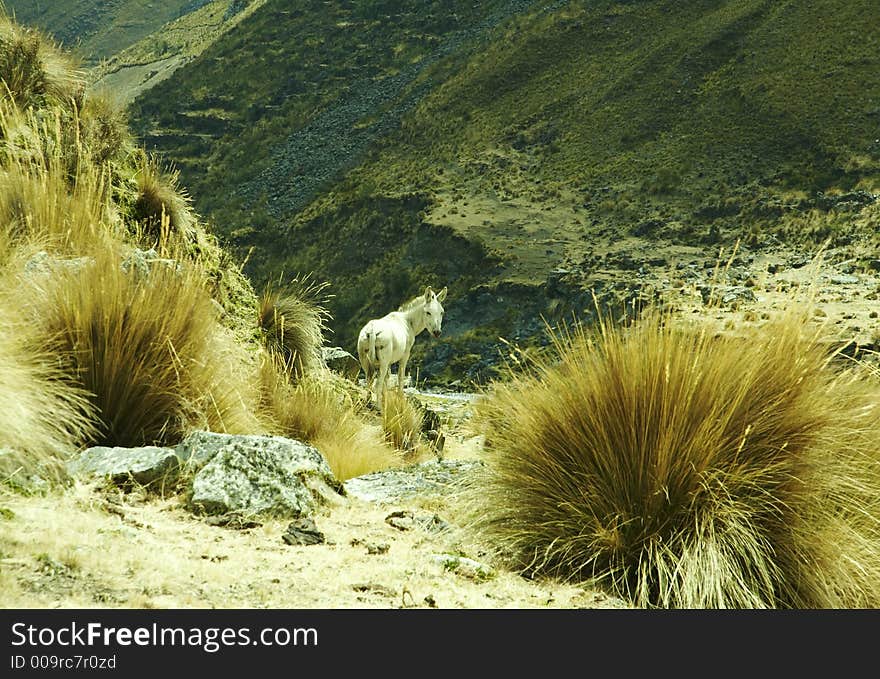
(390, 339)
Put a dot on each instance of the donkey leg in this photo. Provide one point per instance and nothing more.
(366, 366)
(380, 386)
(369, 379)
(401, 373)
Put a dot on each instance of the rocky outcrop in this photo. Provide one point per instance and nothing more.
(197, 449)
(233, 476)
(263, 475)
(146, 465)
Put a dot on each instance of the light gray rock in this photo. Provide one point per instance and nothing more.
(393, 485)
(264, 475)
(199, 447)
(339, 360)
(44, 263)
(139, 262)
(145, 465)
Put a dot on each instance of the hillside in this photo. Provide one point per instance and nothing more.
(131, 47)
(98, 30)
(525, 151)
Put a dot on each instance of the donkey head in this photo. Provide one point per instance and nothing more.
(433, 310)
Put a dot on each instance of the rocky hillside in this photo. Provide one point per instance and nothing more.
(525, 153)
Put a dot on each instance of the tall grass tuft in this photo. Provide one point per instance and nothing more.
(38, 204)
(293, 319)
(161, 203)
(679, 469)
(319, 410)
(33, 71)
(42, 418)
(147, 349)
(401, 421)
(103, 128)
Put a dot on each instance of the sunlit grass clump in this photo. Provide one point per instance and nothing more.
(675, 468)
(401, 421)
(160, 203)
(42, 418)
(293, 318)
(38, 205)
(34, 71)
(319, 410)
(146, 348)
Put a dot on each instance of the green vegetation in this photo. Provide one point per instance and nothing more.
(745, 119)
(95, 29)
(679, 469)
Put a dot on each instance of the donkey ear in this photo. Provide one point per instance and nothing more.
(441, 295)
(429, 293)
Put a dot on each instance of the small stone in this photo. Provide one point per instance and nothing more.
(844, 280)
(401, 520)
(233, 520)
(303, 531)
(462, 565)
(374, 588)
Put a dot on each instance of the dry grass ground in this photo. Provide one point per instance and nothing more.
(54, 554)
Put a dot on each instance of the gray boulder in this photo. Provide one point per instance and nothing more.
(264, 475)
(42, 263)
(197, 449)
(145, 465)
(140, 263)
(339, 360)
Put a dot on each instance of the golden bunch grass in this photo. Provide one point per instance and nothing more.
(293, 320)
(147, 349)
(320, 412)
(160, 203)
(401, 421)
(33, 70)
(38, 204)
(43, 418)
(103, 127)
(676, 468)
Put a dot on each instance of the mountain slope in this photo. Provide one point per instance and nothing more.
(132, 46)
(582, 135)
(94, 29)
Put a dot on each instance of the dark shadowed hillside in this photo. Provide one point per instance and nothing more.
(523, 151)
